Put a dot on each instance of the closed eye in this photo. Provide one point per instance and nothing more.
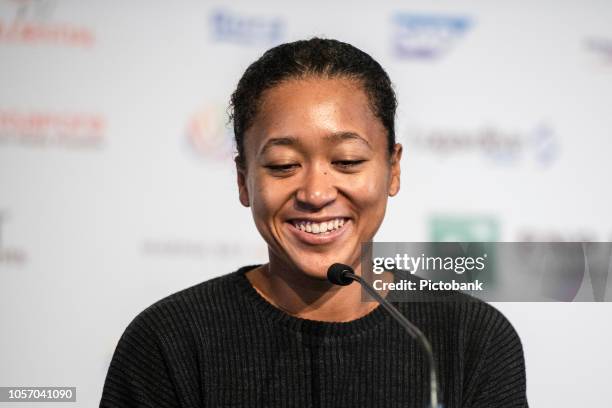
(281, 168)
(348, 164)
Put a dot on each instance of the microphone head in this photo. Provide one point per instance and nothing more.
(337, 274)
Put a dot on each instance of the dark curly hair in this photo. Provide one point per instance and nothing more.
(315, 57)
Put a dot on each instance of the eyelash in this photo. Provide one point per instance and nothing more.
(347, 164)
(285, 168)
(281, 168)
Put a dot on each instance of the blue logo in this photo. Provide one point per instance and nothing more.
(246, 29)
(427, 36)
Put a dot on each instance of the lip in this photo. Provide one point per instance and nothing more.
(319, 219)
(318, 239)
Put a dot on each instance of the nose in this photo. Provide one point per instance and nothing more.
(316, 190)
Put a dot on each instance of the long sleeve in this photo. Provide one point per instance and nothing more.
(220, 344)
(501, 381)
(138, 376)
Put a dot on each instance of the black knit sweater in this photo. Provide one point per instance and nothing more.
(220, 344)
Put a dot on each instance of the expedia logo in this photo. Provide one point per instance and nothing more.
(46, 129)
(208, 134)
(32, 22)
(243, 29)
(426, 36)
(501, 146)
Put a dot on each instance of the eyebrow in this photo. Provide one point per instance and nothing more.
(341, 136)
(278, 141)
(335, 137)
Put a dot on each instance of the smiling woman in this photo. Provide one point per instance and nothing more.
(316, 171)
(317, 161)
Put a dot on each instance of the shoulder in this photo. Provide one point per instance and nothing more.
(455, 311)
(475, 325)
(483, 320)
(492, 354)
(156, 358)
(474, 335)
(188, 311)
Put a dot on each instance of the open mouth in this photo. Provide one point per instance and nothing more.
(324, 232)
(320, 229)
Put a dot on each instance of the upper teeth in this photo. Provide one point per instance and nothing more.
(320, 227)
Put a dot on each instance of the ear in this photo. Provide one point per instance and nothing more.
(394, 181)
(243, 192)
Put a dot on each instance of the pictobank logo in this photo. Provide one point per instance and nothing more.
(426, 36)
(436, 266)
(208, 133)
(32, 22)
(245, 29)
(9, 255)
(46, 129)
(536, 271)
(502, 146)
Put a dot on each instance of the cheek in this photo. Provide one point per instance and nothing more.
(266, 198)
(370, 191)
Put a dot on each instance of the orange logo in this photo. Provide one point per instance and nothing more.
(208, 133)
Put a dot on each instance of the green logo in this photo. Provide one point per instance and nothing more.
(451, 228)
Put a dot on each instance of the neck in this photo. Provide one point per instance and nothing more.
(307, 297)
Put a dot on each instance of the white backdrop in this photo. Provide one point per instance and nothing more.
(117, 186)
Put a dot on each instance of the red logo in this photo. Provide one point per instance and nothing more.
(45, 129)
(32, 24)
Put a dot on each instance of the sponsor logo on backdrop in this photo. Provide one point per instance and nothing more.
(427, 36)
(47, 129)
(209, 134)
(246, 29)
(586, 272)
(200, 250)
(601, 47)
(503, 146)
(533, 234)
(9, 254)
(453, 228)
(34, 22)
(465, 229)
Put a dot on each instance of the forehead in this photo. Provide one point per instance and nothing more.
(313, 108)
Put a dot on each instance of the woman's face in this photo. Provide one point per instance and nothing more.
(317, 173)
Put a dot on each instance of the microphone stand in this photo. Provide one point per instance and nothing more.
(343, 275)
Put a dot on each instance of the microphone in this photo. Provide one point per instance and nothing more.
(343, 275)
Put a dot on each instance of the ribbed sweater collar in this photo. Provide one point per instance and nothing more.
(314, 328)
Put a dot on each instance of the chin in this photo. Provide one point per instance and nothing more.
(316, 266)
